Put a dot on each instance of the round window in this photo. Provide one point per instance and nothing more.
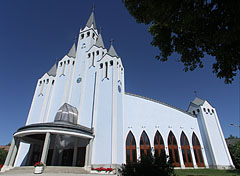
(79, 80)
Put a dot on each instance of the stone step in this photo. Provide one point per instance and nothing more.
(49, 169)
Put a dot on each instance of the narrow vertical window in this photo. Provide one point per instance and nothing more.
(131, 153)
(197, 151)
(106, 71)
(145, 148)
(93, 59)
(82, 36)
(173, 149)
(187, 157)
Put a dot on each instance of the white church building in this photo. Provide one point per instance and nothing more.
(81, 116)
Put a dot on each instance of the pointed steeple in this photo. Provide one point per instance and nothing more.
(99, 42)
(53, 71)
(112, 51)
(72, 52)
(91, 21)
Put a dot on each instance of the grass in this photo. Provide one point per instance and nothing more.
(206, 172)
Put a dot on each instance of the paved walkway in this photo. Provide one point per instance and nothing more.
(53, 174)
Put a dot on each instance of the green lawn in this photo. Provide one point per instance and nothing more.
(206, 172)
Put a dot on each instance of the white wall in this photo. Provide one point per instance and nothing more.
(142, 114)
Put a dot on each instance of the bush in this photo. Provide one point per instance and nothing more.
(235, 154)
(3, 155)
(149, 166)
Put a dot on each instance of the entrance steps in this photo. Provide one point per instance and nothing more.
(47, 169)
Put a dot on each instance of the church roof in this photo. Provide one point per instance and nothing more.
(53, 71)
(99, 42)
(91, 21)
(198, 101)
(112, 51)
(72, 52)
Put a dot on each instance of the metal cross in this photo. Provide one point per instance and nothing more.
(111, 41)
(56, 60)
(100, 30)
(195, 92)
(93, 7)
(75, 38)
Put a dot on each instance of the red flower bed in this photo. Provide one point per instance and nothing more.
(38, 164)
(99, 169)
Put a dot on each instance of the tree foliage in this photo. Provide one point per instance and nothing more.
(194, 28)
(3, 155)
(149, 166)
(235, 154)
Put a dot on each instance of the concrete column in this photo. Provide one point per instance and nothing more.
(45, 148)
(181, 157)
(87, 155)
(14, 153)
(88, 158)
(75, 152)
(193, 158)
(6, 163)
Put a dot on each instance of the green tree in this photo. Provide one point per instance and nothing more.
(235, 154)
(3, 155)
(193, 28)
(149, 166)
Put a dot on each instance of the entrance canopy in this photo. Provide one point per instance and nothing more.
(55, 128)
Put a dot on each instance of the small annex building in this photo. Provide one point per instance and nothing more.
(81, 116)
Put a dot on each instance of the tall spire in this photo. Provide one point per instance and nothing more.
(91, 20)
(112, 51)
(72, 52)
(99, 42)
(53, 71)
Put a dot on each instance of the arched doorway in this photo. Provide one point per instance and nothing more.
(145, 147)
(197, 151)
(186, 153)
(173, 149)
(158, 144)
(131, 153)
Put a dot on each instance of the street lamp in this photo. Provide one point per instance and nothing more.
(236, 126)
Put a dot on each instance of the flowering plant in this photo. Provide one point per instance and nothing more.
(99, 169)
(1, 166)
(37, 164)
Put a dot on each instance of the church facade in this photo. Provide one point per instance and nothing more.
(81, 116)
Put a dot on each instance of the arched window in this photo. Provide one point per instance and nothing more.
(187, 157)
(158, 144)
(131, 153)
(145, 148)
(197, 151)
(173, 149)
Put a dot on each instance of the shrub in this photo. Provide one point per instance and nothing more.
(149, 166)
(235, 153)
(3, 155)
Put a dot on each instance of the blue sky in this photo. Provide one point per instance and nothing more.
(34, 33)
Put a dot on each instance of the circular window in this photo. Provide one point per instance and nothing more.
(79, 80)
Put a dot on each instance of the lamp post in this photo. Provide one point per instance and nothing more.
(236, 126)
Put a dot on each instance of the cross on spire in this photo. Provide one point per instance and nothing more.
(56, 60)
(100, 30)
(93, 7)
(195, 92)
(75, 39)
(111, 41)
